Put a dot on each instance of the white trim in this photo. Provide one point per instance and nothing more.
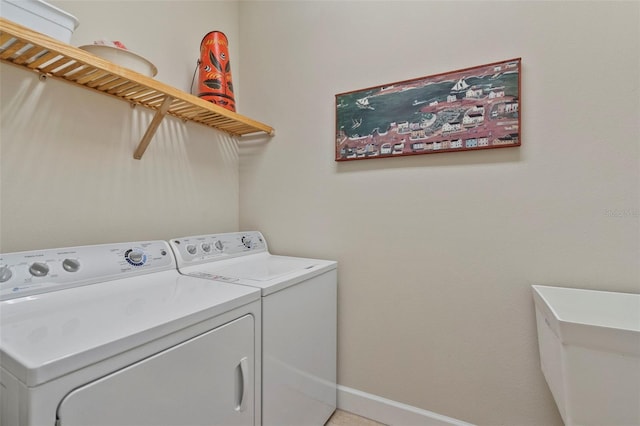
(390, 412)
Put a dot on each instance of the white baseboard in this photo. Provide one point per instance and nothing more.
(390, 412)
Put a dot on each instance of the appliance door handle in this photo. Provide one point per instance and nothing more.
(242, 384)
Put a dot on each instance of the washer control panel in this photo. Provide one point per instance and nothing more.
(212, 247)
(41, 271)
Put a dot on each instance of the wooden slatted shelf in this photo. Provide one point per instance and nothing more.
(31, 50)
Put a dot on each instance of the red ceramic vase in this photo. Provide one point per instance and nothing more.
(214, 76)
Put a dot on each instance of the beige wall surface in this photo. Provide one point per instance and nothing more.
(68, 176)
(437, 253)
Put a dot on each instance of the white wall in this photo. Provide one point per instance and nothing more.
(437, 252)
(67, 170)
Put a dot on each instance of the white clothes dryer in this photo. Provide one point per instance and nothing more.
(299, 319)
(113, 335)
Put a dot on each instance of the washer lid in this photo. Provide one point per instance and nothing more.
(264, 270)
(48, 335)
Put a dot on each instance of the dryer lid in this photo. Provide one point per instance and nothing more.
(48, 335)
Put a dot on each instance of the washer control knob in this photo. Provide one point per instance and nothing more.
(5, 274)
(206, 247)
(39, 269)
(219, 245)
(247, 241)
(71, 265)
(191, 249)
(135, 257)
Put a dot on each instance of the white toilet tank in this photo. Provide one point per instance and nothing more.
(590, 353)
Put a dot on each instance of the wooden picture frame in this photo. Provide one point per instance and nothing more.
(469, 109)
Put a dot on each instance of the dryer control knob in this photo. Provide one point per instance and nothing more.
(191, 249)
(5, 274)
(39, 269)
(206, 247)
(71, 265)
(219, 245)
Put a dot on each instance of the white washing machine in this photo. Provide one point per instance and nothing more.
(114, 335)
(298, 319)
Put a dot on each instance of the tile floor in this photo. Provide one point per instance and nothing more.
(344, 418)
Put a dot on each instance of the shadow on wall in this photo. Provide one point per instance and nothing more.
(68, 152)
(251, 148)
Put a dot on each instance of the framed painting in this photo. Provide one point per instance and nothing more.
(468, 109)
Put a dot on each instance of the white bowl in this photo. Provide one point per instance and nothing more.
(124, 58)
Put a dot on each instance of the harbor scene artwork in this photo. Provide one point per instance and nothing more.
(468, 109)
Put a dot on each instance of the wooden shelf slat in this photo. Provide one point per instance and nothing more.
(54, 65)
(31, 50)
(122, 88)
(12, 49)
(67, 69)
(30, 53)
(43, 59)
(111, 84)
